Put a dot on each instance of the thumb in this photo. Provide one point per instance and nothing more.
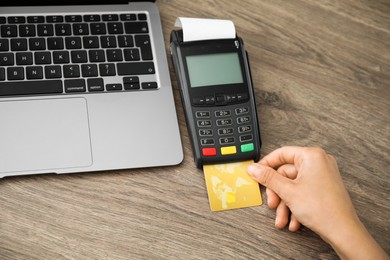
(270, 178)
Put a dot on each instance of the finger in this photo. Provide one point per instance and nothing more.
(294, 224)
(288, 170)
(282, 215)
(284, 155)
(273, 199)
(271, 179)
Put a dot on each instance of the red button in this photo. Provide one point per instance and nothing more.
(209, 151)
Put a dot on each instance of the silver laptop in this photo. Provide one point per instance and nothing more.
(84, 88)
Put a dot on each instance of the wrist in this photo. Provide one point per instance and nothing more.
(353, 241)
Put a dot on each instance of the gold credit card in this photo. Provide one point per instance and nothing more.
(230, 187)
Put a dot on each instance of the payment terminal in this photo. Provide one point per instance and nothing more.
(216, 90)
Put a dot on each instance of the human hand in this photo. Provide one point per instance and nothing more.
(307, 182)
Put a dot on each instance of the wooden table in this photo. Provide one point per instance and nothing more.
(321, 71)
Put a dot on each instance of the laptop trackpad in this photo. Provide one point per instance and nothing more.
(44, 135)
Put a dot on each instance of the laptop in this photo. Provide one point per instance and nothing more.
(84, 88)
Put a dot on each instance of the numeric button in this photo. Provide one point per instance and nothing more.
(243, 120)
(241, 110)
(222, 113)
(45, 30)
(208, 141)
(225, 131)
(206, 132)
(204, 123)
(226, 140)
(224, 122)
(202, 114)
(9, 31)
(246, 138)
(244, 129)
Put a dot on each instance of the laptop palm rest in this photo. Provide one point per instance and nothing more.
(44, 135)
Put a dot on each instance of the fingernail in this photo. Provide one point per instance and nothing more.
(253, 170)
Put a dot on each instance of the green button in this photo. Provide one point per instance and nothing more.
(247, 148)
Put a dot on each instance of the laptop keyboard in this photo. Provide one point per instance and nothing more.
(74, 54)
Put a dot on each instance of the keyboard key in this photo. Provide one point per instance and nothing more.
(45, 30)
(110, 17)
(37, 44)
(80, 29)
(114, 55)
(95, 84)
(125, 41)
(42, 57)
(54, 19)
(130, 80)
(96, 56)
(136, 27)
(27, 30)
(115, 28)
(92, 18)
(2, 74)
(134, 68)
(6, 59)
(35, 19)
(24, 58)
(55, 43)
(91, 42)
(98, 28)
(74, 85)
(3, 20)
(53, 72)
(15, 73)
(60, 57)
(4, 45)
(19, 44)
(108, 41)
(143, 41)
(73, 42)
(73, 18)
(141, 17)
(9, 31)
(107, 69)
(71, 71)
(131, 83)
(114, 87)
(30, 87)
(16, 19)
(149, 85)
(128, 17)
(89, 70)
(34, 72)
(131, 54)
(79, 56)
(131, 86)
(63, 29)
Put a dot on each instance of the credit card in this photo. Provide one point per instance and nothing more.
(230, 187)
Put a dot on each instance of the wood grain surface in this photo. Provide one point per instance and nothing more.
(321, 71)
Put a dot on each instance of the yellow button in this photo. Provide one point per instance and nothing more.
(228, 150)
